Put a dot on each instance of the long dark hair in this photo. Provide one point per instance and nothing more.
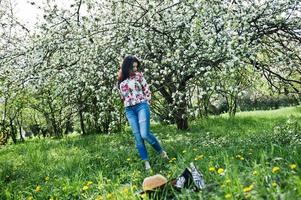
(127, 67)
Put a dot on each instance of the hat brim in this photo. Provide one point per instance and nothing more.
(152, 190)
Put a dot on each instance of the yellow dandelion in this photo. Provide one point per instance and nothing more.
(255, 173)
(293, 166)
(173, 159)
(134, 187)
(38, 189)
(125, 190)
(128, 159)
(89, 183)
(46, 178)
(85, 187)
(240, 157)
(228, 196)
(211, 169)
(274, 184)
(249, 188)
(99, 197)
(184, 151)
(200, 157)
(220, 170)
(228, 181)
(30, 198)
(275, 170)
(110, 195)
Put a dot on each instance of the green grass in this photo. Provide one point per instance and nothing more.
(246, 147)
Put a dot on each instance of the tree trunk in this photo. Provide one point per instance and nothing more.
(21, 136)
(81, 112)
(4, 115)
(49, 124)
(182, 123)
(54, 125)
(235, 105)
(182, 117)
(181, 114)
(96, 115)
(81, 119)
(19, 122)
(232, 105)
(206, 106)
(12, 131)
(121, 116)
(3, 135)
(3, 130)
(68, 125)
(53, 120)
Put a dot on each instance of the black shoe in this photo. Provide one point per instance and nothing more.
(191, 177)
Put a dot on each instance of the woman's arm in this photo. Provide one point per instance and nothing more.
(145, 88)
(119, 78)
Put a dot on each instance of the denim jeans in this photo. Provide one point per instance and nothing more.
(139, 120)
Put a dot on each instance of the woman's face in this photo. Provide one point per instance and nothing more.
(135, 66)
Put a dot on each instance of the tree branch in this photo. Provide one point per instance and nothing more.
(77, 12)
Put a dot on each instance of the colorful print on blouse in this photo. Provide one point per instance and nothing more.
(134, 90)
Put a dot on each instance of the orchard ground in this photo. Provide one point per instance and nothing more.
(255, 155)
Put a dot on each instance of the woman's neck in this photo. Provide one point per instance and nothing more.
(133, 73)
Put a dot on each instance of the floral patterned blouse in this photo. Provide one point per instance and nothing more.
(135, 90)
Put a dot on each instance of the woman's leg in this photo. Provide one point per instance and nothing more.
(133, 121)
(144, 125)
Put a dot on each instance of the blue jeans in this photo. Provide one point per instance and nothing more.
(139, 120)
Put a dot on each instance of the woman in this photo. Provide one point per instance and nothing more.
(136, 96)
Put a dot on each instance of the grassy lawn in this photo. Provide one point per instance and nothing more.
(255, 155)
